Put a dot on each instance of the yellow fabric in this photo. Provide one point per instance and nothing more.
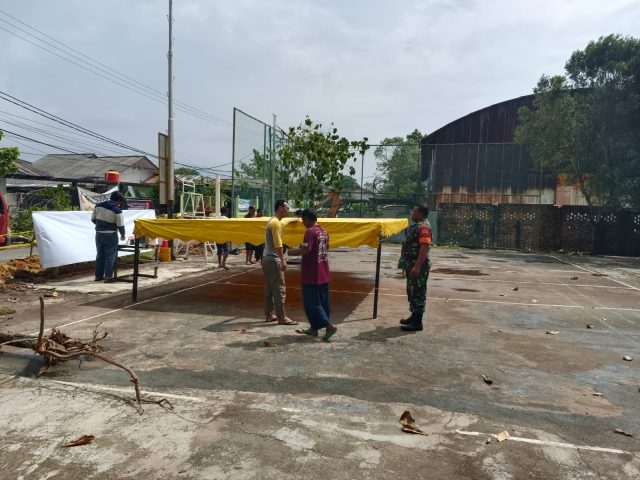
(348, 232)
(276, 232)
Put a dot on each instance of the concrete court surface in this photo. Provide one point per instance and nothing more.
(301, 408)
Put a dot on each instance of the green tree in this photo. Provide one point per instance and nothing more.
(8, 157)
(399, 165)
(349, 183)
(586, 124)
(187, 172)
(315, 157)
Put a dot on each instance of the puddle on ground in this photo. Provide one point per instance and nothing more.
(456, 271)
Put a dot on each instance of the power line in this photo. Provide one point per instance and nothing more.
(42, 123)
(73, 126)
(96, 67)
(65, 139)
(12, 134)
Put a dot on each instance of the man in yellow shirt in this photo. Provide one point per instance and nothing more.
(274, 265)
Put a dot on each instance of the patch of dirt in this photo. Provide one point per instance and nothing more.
(9, 270)
(28, 270)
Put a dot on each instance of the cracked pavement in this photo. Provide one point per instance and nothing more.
(306, 409)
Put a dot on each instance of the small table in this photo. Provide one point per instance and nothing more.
(129, 278)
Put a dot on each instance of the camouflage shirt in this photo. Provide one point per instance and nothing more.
(417, 234)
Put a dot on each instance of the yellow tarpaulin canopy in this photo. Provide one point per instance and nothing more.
(348, 232)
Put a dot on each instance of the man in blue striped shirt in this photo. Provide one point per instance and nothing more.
(108, 218)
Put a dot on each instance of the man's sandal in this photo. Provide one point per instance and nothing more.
(287, 322)
(307, 331)
(328, 334)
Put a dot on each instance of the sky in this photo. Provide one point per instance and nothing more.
(373, 68)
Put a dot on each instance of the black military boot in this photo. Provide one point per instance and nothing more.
(407, 321)
(415, 325)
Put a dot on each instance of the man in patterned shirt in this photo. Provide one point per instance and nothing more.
(415, 256)
(315, 276)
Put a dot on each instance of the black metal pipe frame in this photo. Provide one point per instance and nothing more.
(377, 284)
(136, 269)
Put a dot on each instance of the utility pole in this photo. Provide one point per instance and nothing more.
(170, 160)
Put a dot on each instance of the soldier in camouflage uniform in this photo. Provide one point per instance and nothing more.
(414, 260)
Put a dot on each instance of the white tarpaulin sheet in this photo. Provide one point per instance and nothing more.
(89, 199)
(69, 237)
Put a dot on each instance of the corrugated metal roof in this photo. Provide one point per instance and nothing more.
(82, 166)
(28, 169)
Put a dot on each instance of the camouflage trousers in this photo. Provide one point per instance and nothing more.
(417, 291)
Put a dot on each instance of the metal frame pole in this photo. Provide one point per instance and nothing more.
(361, 182)
(136, 269)
(377, 284)
(233, 167)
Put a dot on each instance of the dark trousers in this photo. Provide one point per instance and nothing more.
(107, 250)
(315, 299)
(258, 249)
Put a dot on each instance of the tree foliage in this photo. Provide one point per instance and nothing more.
(398, 161)
(187, 172)
(50, 198)
(8, 157)
(587, 123)
(315, 157)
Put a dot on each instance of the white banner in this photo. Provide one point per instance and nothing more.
(65, 238)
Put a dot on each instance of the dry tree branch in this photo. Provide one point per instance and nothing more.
(58, 348)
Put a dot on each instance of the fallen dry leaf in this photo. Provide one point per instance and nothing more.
(552, 332)
(627, 358)
(487, 380)
(446, 300)
(241, 330)
(534, 300)
(515, 289)
(267, 343)
(502, 436)
(589, 325)
(83, 440)
(574, 278)
(488, 440)
(622, 432)
(409, 424)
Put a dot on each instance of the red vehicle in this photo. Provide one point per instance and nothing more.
(4, 220)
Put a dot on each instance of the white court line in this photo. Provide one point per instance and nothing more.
(471, 300)
(519, 282)
(94, 387)
(591, 271)
(104, 388)
(141, 303)
(548, 443)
